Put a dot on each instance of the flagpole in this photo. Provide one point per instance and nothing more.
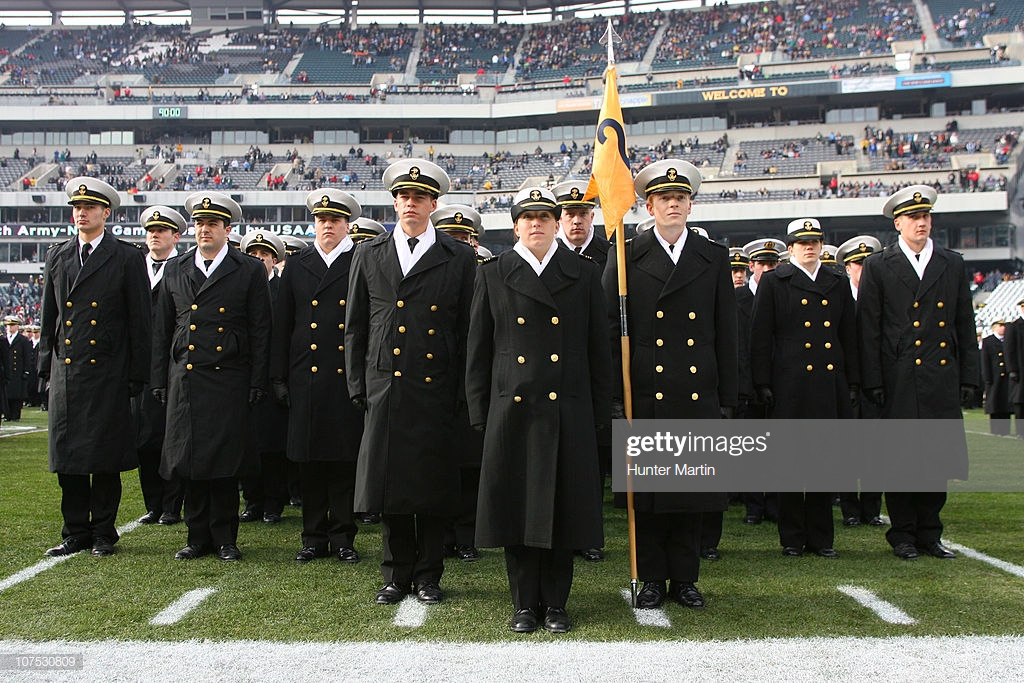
(616, 224)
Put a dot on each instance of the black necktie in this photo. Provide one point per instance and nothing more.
(671, 248)
(156, 266)
(579, 250)
(207, 262)
(413, 241)
(918, 257)
(86, 250)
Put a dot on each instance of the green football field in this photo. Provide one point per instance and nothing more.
(753, 592)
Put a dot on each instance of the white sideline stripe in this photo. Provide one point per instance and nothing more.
(647, 617)
(411, 612)
(18, 431)
(182, 606)
(1008, 567)
(901, 658)
(998, 436)
(43, 565)
(886, 611)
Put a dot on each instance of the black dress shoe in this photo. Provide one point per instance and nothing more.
(876, 521)
(370, 518)
(938, 550)
(593, 554)
(851, 521)
(687, 595)
(295, 501)
(828, 553)
(429, 593)
(191, 552)
(348, 555)
(250, 515)
(467, 553)
(169, 518)
(905, 551)
(271, 518)
(792, 551)
(523, 621)
(651, 595)
(69, 546)
(556, 620)
(711, 554)
(151, 517)
(389, 594)
(102, 547)
(752, 519)
(229, 553)
(310, 553)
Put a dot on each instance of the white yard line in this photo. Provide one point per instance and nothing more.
(174, 612)
(18, 431)
(647, 617)
(411, 613)
(1008, 567)
(886, 611)
(43, 565)
(968, 658)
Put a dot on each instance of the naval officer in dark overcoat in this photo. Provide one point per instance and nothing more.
(94, 351)
(405, 340)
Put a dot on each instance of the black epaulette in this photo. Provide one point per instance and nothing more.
(589, 258)
(488, 260)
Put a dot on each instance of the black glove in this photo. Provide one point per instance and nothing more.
(359, 402)
(160, 394)
(134, 388)
(280, 389)
(728, 412)
(967, 395)
(854, 396)
(1014, 376)
(618, 409)
(876, 396)
(256, 396)
(765, 396)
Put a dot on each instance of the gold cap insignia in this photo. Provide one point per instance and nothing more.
(535, 195)
(414, 172)
(672, 174)
(575, 193)
(325, 200)
(206, 202)
(917, 196)
(808, 225)
(862, 246)
(769, 245)
(259, 237)
(458, 217)
(156, 215)
(82, 188)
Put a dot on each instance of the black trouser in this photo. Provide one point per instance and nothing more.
(710, 529)
(538, 577)
(267, 492)
(805, 519)
(863, 507)
(211, 511)
(158, 494)
(327, 490)
(89, 505)
(999, 423)
(761, 505)
(465, 520)
(668, 546)
(914, 517)
(413, 549)
(14, 408)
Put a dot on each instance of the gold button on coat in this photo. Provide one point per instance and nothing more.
(552, 396)
(192, 327)
(315, 302)
(824, 302)
(828, 345)
(312, 347)
(660, 314)
(809, 368)
(803, 302)
(221, 309)
(693, 369)
(401, 329)
(694, 396)
(430, 356)
(400, 304)
(397, 351)
(341, 302)
(427, 380)
(828, 323)
(520, 360)
(188, 367)
(313, 369)
(191, 347)
(219, 349)
(67, 361)
(554, 320)
(659, 368)
(554, 358)
(807, 345)
(830, 366)
(521, 320)
(68, 304)
(692, 316)
(943, 362)
(659, 396)
(807, 323)
(312, 326)
(917, 362)
(398, 373)
(195, 307)
(659, 342)
(94, 305)
(517, 399)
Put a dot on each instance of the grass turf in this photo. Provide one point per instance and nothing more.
(753, 592)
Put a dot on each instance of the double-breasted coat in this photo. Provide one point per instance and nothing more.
(539, 377)
(917, 340)
(995, 375)
(803, 342)
(917, 336)
(211, 345)
(20, 367)
(683, 342)
(1014, 349)
(308, 352)
(96, 338)
(405, 341)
